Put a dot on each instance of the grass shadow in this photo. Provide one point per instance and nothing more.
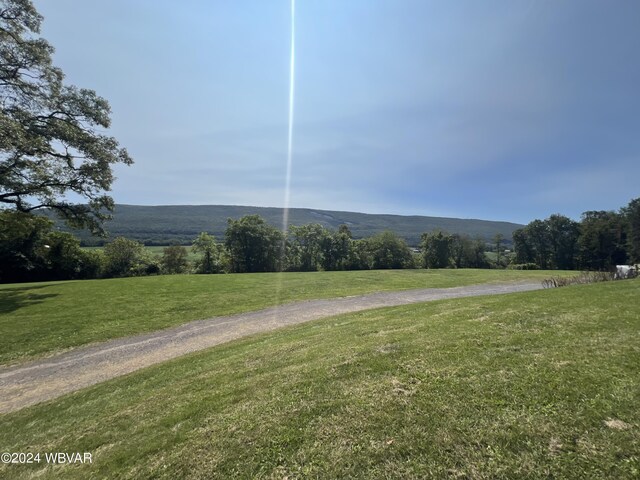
(12, 299)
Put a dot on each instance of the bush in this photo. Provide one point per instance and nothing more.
(387, 250)
(31, 251)
(125, 258)
(524, 266)
(174, 259)
(212, 257)
(146, 264)
(583, 278)
(91, 264)
(64, 259)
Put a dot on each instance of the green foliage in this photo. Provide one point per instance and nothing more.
(91, 264)
(22, 240)
(441, 250)
(31, 251)
(497, 240)
(523, 266)
(336, 248)
(632, 215)
(387, 250)
(436, 249)
(551, 243)
(210, 260)
(523, 249)
(602, 241)
(253, 245)
(308, 244)
(563, 236)
(360, 257)
(174, 259)
(64, 259)
(51, 143)
(538, 234)
(313, 247)
(161, 225)
(124, 257)
(468, 253)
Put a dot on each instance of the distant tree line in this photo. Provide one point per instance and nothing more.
(32, 250)
(442, 250)
(600, 241)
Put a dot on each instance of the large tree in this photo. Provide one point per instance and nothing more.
(175, 259)
(603, 240)
(336, 248)
(436, 249)
(563, 236)
(632, 213)
(308, 241)
(468, 253)
(253, 245)
(211, 251)
(388, 250)
(550, 243)
(30, 251)
(51, 140)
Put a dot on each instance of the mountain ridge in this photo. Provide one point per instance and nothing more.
(163, 224)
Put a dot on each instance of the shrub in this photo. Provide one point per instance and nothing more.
(583, 278)
(123, 258)
(524, 266)
(174, 259)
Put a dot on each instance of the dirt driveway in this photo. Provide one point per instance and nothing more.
(49, 378)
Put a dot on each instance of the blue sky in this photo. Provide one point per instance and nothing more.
(502, 110)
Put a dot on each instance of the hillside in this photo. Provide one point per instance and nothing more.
(530, 385)
(160, 225)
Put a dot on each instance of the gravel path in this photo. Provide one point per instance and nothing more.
(45, 379)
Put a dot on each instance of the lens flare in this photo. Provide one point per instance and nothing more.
(292, 69)
(287, 185)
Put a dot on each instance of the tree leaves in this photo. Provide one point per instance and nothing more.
(50, 145)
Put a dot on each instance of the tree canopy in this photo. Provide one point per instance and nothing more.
(436, 249)
(600, 241)
(253, 245)
(51, 134)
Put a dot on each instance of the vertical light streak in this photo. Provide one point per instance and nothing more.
(287, 186)
(292, 69)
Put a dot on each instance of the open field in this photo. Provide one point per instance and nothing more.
(542, 384)
(45, 379)
(42, 318)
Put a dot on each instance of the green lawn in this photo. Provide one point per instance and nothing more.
(41, 318)
(540, 384)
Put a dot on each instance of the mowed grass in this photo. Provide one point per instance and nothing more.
(37, 319)
(542, 384)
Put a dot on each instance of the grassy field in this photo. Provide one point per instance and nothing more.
(541, 384)
(37, 319)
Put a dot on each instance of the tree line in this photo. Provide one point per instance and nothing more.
(32, 250)
(600, 241)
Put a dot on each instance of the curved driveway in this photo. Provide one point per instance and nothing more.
(49, 378)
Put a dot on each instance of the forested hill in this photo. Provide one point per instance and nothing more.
(160, 225)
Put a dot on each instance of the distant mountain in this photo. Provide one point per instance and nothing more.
(160, 225)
